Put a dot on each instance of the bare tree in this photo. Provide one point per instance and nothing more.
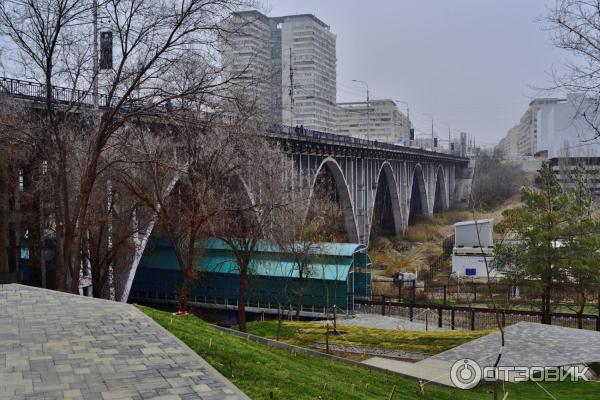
(154, 41)
(305, 225)
(575, 27)
(258, 194)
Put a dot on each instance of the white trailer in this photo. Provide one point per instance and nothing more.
(473, 247)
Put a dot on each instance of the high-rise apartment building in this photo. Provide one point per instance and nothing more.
(246, 55)
(522, 139)
(291, 61)
(381, 121)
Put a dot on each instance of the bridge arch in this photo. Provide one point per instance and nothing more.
(418, 204)
(342, 193)
(440, 199)
(387, 210)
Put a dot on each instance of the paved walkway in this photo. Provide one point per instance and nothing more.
(60, 346)
(530, 344)
(428, 370)
(526, 345)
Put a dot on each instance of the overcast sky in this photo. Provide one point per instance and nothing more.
(473, 64)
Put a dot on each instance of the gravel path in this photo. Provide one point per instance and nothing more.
(387, 322)
(373, 351)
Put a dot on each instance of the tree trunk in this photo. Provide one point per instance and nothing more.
(36, 249)
(183, 292)
(242, 298)
(299, 296)
(546, 301)
(581, 309)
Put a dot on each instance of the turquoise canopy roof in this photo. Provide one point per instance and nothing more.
(329, 261)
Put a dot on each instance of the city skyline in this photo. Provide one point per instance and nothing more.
(494, 71)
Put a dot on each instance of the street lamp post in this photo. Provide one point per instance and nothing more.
(368, 106)
(95, 50)
(449, 138)
(432, 134)
(362, 203)
(407, 115)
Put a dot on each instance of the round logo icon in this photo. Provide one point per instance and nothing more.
(465, 373)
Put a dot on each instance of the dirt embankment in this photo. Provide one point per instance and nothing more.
(422, 243)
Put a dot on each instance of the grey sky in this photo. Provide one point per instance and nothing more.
(470, 63)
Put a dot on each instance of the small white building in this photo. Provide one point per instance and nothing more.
(473, 247)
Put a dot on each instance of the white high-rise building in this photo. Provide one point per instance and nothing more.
(564, 132)
(308, 72)
(522, 139)
(246, 57)
(292, 60)
(381, 121)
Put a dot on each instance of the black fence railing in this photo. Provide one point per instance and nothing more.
(470, 318)
(37, 91)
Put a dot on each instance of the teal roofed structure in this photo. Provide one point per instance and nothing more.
(337, 273)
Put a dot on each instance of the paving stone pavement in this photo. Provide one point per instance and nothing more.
(60, 346)
(529, 344)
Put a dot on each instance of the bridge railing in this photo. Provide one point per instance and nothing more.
(343, 139)
(35, 90)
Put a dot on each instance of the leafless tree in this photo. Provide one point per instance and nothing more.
(305, 225)
(11, 196)
(153, 42)
(258, 194)
(575, 27)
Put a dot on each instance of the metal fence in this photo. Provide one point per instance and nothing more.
(470, 318)
(37, 91)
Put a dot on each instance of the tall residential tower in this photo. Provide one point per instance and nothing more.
(291, 62)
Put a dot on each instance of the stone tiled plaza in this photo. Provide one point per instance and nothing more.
(60, 346)
(531, 345)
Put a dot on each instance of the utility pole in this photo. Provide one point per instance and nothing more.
(291, 90)
(95, 55)
(407, 116)
(449, 136)
(368, 107)
(432, 133)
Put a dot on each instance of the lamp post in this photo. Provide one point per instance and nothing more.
(449, 138)
(432, 134)
(95, 50)
(407, 115)
(368, 106)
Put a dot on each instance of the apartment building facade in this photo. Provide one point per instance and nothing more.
(291, 61)
(380, 120)
(522, 139)
(246, 55)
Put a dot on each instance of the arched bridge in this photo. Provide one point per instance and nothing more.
(378, 185)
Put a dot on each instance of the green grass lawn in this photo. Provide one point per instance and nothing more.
(257, 370)
(307, 333)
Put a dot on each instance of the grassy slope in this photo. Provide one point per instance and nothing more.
(258, 370)
(307, 333)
